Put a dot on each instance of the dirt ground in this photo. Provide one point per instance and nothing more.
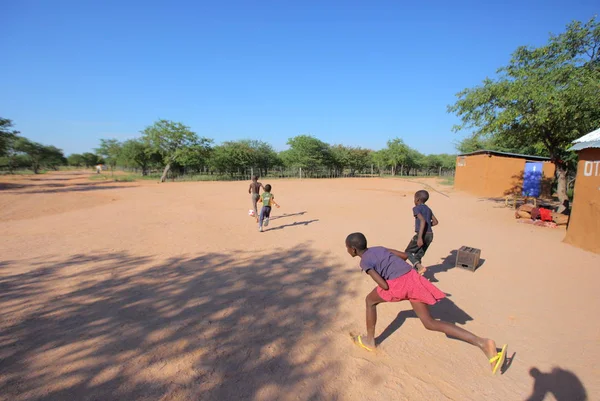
(141, 291)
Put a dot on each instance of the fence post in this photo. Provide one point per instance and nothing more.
(300, 172)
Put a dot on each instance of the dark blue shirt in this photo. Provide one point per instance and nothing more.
(388, 265)
(427, 214)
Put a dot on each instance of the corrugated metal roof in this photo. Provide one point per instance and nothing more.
(506, 154)
(592, 136)
(585, 145)
(591, 140)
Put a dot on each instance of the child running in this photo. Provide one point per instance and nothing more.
(268, 200)
(254, 190)
(424, 220)
(397, 281)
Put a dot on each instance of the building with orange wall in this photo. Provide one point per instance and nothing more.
(584, 223)
(497, 174)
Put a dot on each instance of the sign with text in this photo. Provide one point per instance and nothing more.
(591, 168)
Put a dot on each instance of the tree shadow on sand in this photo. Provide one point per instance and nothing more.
(564, 385)
(61, 188)
(219, 326)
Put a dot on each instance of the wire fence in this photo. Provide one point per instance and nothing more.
(288, 173)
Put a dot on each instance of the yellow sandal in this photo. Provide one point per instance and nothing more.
(499, 359)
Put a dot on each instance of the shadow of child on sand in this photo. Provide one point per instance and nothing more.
(287, 215)
(562, 384)
(448, 263)
(295, 223)
(445, 310)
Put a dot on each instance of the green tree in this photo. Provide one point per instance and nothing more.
(264, 156)
(39, 155)
(306, 152)
(232, 157)
(197, 157)
(381, 159)
(53, 157)
(110, 149)
(354, 159)
(76, 160)
(7, 135)
(137, 153)
(91, 159)
(398, 154)
(544, 98)
(474, 143)
(170, 140)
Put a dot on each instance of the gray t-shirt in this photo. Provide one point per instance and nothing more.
(426, 213)
(388, 265)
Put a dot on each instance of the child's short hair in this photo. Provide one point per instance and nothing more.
(255, 178)
(357, 241)
(422, 195)
(268, 188)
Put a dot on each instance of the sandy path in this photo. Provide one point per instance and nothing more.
(142, 291)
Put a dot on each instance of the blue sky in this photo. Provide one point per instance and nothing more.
(351, 72)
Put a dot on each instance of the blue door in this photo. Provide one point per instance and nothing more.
(532, 179)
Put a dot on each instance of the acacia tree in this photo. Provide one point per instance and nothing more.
(398, 154)
(139, 154)
(39, 155)
(545, 97)
(7, 135)
(170, 140)
(264, 156)
(349, 157)
(232, 157)
(110, 149)
(90, 159)
(306, 152)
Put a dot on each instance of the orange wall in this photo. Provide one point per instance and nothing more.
(495, 176)
(584, 225)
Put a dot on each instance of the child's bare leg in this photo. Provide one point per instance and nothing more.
(371, 303)
(485, 344)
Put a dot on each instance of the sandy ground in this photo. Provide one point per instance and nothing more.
(141, 291)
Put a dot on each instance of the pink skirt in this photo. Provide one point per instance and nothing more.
(413, 287)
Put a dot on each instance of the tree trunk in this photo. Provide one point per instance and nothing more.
(561, 185)
(165, 171)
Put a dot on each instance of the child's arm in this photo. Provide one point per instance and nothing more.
(421, 230)
(378, 279)
(250, 189)
(434, 221)
(400, 254)
(273, 202)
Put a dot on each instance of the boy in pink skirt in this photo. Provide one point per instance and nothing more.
(397, 281)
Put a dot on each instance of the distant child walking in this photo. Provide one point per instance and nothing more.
(268, 200)
(424, 221)
(254, 191)
(397, 281)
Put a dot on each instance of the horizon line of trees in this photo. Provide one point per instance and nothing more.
(172, 146)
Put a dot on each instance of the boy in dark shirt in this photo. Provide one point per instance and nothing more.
(424, 220)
